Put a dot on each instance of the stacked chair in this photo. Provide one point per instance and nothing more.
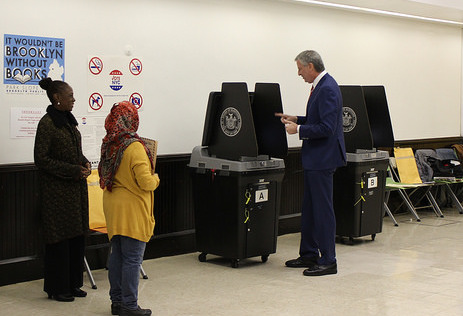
(452, 176)
(406, 179)
(421, 174)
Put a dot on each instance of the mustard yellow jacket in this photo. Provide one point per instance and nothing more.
(128, 208)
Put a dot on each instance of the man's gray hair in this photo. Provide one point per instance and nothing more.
(311, 56)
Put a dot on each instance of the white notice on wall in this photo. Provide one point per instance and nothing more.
(24, 121)
(92, 130)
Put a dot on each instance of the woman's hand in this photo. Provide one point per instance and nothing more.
(85, 171)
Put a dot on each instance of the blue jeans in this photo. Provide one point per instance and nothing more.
(124, 270)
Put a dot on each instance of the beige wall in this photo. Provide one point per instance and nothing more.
(190, 47)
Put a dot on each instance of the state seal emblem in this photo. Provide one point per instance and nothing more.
(349, 119)
(230, 121)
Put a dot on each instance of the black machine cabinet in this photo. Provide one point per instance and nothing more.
(236, 179)
(359, 194)
(236, 207)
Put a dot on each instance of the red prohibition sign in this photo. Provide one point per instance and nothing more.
(95, 101)
(95, 66)
(135, 66)
(136, 99)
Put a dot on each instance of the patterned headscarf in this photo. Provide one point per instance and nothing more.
(121, 126)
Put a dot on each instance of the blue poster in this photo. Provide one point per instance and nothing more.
(28, 59)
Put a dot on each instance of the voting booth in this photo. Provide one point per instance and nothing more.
(359, 186)
(237, 173)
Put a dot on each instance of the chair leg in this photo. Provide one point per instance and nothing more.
(435, 206)
(142, 272)
(409, 204)
(454, 198)
(387, 209)
(389, 213)
(89, 273)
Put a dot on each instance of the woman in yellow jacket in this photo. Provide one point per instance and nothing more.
(127, 175)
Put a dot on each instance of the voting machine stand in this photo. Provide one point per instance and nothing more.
(359, 186)
(237, 173)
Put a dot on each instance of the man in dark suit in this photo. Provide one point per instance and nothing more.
(323, 150)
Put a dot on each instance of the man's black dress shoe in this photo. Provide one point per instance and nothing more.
(321, 270)
(116, 308)
(78, 292)
(302, 262)
(61, 297)
(135, 312)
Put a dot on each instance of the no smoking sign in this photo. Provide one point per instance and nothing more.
(95, 65)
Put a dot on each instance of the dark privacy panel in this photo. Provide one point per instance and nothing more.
(270, 132)
(378, 114)
(239, 123)
(355, 121)
(229, 127)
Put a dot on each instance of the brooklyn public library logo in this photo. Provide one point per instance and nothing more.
(230, 121)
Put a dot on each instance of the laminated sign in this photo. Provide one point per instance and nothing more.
(29, 59)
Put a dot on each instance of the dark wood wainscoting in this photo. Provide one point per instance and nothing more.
(21, 246)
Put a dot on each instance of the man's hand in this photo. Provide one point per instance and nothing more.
(289, 121)
(291, 127)
(286, 117)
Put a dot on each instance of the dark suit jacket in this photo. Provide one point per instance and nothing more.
(321, 129)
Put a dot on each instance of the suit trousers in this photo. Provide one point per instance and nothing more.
(64, 265)
(318, 228)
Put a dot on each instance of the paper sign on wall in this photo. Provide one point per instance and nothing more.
(24, 121)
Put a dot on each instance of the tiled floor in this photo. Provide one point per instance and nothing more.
(413, 269)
